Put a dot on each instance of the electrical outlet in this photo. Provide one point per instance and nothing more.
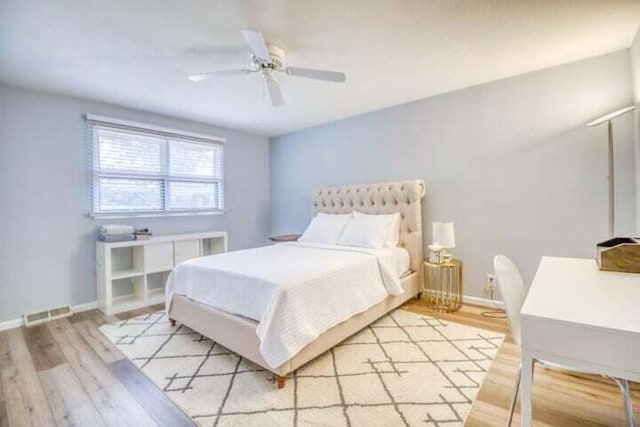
(491, 283)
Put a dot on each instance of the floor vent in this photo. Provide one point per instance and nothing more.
(45, 316)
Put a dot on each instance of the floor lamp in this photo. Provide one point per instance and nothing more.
(607, 119)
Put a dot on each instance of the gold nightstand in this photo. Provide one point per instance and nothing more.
(443, 285)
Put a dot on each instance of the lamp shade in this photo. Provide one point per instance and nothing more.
(442, 234)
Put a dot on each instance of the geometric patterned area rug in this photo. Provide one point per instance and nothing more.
(404, 370)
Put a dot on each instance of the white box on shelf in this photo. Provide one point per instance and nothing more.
(158, 257)
(186, 250)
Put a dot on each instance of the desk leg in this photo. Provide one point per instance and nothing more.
(527, 389)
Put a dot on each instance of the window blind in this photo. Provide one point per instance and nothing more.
(140, 170)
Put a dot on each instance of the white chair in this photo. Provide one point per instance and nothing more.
(511, 287)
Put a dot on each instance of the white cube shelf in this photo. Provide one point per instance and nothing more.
(133, 274)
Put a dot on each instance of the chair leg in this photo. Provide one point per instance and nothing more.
(514, 397)
(628, 407)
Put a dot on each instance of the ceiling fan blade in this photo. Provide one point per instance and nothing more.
(274, 92)
(257, 44)
(310, 73)
(213, 74)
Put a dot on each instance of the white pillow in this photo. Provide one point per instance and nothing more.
(362, 233)
(324, 228)
(391, 223)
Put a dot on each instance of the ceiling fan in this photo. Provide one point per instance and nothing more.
(268, 60)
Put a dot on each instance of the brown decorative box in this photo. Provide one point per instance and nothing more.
(619, 254)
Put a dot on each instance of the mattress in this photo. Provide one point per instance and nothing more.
(296, 291)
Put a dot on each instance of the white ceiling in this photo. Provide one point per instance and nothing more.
(138, 53)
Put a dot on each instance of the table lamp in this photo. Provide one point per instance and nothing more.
(443, 238)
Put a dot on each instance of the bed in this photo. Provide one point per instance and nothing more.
(242, 332)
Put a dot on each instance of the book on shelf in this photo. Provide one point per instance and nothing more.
(143, 234)
(112, 238)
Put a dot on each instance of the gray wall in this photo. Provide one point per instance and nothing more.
(46, 241)
(510, 162)
(634, 52)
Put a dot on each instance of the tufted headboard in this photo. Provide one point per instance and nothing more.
(384, 198)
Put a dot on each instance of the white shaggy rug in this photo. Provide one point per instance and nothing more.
(405, 369)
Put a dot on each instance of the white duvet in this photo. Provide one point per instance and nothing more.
(296, 291)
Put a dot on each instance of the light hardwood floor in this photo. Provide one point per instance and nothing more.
(559, 399)
(67, 373)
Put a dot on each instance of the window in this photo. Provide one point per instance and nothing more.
(145, 171)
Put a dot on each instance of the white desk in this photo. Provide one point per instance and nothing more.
(578, 316)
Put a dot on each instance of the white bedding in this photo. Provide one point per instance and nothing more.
(403, 260)
(296, 291)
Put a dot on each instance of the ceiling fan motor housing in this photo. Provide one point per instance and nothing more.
(276, 58)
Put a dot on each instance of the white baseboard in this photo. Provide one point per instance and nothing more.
(484, 302)
(85, 307)
(16, 323)
(10, 324)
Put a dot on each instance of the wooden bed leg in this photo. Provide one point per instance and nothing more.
(419, 295)
(280, 380)
(172, 322)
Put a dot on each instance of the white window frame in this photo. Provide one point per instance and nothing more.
(96, 122)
